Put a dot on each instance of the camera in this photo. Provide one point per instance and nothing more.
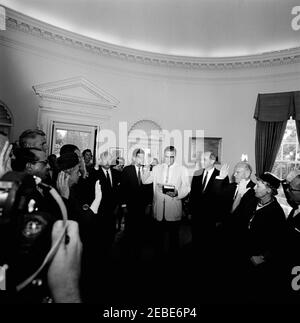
(25, 226)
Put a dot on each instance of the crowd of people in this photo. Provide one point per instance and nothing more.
(242, 244)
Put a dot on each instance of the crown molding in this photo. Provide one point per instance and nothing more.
(22, 23)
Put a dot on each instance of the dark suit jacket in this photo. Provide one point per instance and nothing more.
(267, 232)
(204, 205)
(135, 196)
(243, 212)
(293, 238)
(110, 194)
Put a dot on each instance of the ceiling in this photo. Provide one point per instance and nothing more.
(196, 28)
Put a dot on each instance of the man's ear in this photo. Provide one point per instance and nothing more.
(269, 190)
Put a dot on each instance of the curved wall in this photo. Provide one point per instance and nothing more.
(220, 101)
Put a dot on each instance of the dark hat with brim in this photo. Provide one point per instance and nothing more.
(67, 161)
(272, 180)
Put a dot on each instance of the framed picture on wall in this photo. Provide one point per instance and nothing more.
(116, 152)
(198, 145)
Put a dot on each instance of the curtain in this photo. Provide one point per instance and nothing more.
(271, 113)
(267, 143)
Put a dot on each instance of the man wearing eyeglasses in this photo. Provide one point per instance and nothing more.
(32, 161)
(170, 185)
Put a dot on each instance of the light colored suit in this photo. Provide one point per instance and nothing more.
(165, 206)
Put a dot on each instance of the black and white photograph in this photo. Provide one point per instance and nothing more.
(150, 155)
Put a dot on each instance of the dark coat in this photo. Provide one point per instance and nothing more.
(135, 196)
(204, 206)
(267, 230)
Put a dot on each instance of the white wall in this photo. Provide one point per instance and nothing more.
(220, 102)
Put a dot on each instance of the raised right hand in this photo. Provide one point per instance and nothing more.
(62, 184)
(98, 191)
(224, 171)
(5, 159)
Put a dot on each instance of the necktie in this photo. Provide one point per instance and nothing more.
(108, 178)
(236, 200)
(168, 174)
(139, 175)
(204, 181)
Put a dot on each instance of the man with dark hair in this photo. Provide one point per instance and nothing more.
(32, 161)
(203, 202)
(134, 200)
(33, 138)
(170, 185)
(87, 156)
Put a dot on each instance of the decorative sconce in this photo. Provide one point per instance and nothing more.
(244, 158)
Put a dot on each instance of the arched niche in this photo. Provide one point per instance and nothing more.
(145, 134)
(6, 119)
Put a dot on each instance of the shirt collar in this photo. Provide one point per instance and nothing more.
(104, 170)
(209, 171)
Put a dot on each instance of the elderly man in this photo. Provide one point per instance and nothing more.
(237, 201)
(110, 183)
(237, 198)
(170, 185)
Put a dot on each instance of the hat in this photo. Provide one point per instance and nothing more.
(67, 161)
(272, 180)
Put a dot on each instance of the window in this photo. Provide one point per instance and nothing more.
(79, 135)
(288, 158)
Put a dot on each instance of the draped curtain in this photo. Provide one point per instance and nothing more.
(271, 113)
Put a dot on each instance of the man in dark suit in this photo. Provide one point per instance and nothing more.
(135, 197)
(237, 198)
(203, 203)
(109, 179)
(204, 209)
(237, 202)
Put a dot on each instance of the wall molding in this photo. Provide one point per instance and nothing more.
(22, 23)
(53, 91)
(74, 100)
